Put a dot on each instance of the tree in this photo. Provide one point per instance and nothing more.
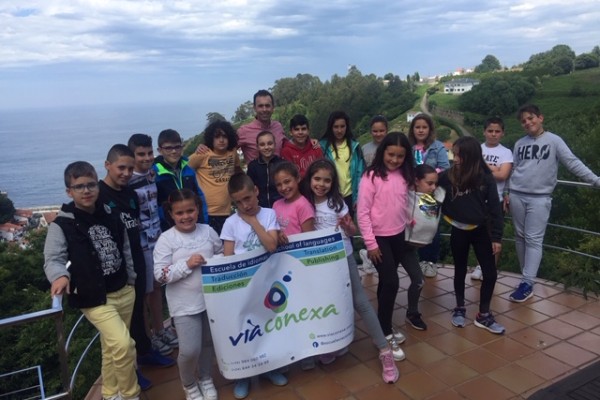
(243, 112)
(7, 209)
(585, 61)
(488, 64)
(214, 116)
(499, 94)
(596, 51)
(557, 61)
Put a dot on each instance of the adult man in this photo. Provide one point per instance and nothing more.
(263, 108)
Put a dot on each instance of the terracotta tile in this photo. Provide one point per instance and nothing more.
(429, 291)
(450, 371)
(433, 329)
(472, 294)
(571, 300)
(448, 301)
(481, 360)
(510, 324)
(423, 353)
(363, 349)
(570, 354)
(484, 388)
(587, 341)
(357, 378)
(526, 315)
(285, 394)
(515, 378)
(509, 349)
(405, 367)
(534, 338)
(322, 388)
(476, 335)
(419, 385)
(501, 305)
(592, 308)
(446, 395)
(580, 319)
(380, 392)
(168, 390)
(501, 288)
(340, 363)
(549, 308)
(445, 284)
(558, 328)
(450, 343)
(544, 365)
(596, 330)
(512, 281)
(545, 291)
(427, 308)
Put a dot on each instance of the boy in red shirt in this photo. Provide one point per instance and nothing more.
(299, 150)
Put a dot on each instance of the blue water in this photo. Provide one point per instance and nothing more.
(37, 144)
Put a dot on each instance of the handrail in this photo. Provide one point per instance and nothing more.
(55, 312)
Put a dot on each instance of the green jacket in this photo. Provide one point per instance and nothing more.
(357, 164)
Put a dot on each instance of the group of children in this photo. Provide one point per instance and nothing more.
(181, 212)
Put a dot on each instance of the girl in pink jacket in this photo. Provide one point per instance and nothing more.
(382, 217)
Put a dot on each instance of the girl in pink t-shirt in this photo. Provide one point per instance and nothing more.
(294, 213)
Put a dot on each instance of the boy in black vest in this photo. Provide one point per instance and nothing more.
(87, 256)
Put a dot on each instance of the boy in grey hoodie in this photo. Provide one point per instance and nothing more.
(534, 176)
(87, 256)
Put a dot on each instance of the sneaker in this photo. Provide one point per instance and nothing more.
(398, 336)
(390, 372)
(523, 292)
(307, 364)
(208, 389)
(144, 382)
(414, 320)
(329, 358)
(429, 269)
(458, 317)
(477, 274)
(396, 350)
(367, 264)
(159, 346)
(488, 322)
(169, 336)
(155, 359)
(193, 392)
(276, 378)
(241, 388)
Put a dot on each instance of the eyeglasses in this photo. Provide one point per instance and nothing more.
(82, 187)
(172, 148)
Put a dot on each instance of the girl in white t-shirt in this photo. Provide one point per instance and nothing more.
(320, 187)
(178, 256)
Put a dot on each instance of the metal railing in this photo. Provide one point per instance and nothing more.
(67, 382)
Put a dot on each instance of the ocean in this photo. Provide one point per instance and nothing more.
(37, 144)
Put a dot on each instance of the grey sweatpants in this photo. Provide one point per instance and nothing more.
(195, 347)
(530, 217)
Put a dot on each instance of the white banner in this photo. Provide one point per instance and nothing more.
(270, 310)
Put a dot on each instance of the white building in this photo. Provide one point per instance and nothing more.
(459, 86)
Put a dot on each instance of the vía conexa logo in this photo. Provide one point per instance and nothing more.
(276, 300)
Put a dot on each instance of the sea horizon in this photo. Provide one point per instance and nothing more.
(39, 142)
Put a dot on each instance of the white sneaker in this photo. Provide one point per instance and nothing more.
(159, 345)
(208, 389)
(367, 264)
(193, 392)
(477, 274)
(398, 336)
(429, 269)
(396, 350)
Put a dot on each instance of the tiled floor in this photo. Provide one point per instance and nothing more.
(548, 337)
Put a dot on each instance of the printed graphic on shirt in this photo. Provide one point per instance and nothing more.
(429, 206)
(491, 159)
(534, 152)
(252, 241)
(221, 168)
(108, 252)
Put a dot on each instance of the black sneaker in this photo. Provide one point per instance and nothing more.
(414, 320)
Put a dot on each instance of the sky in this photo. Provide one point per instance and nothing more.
(86, 52)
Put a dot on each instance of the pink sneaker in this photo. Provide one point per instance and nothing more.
(390, 373)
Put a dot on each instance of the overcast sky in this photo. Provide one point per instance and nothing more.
(60, 52)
